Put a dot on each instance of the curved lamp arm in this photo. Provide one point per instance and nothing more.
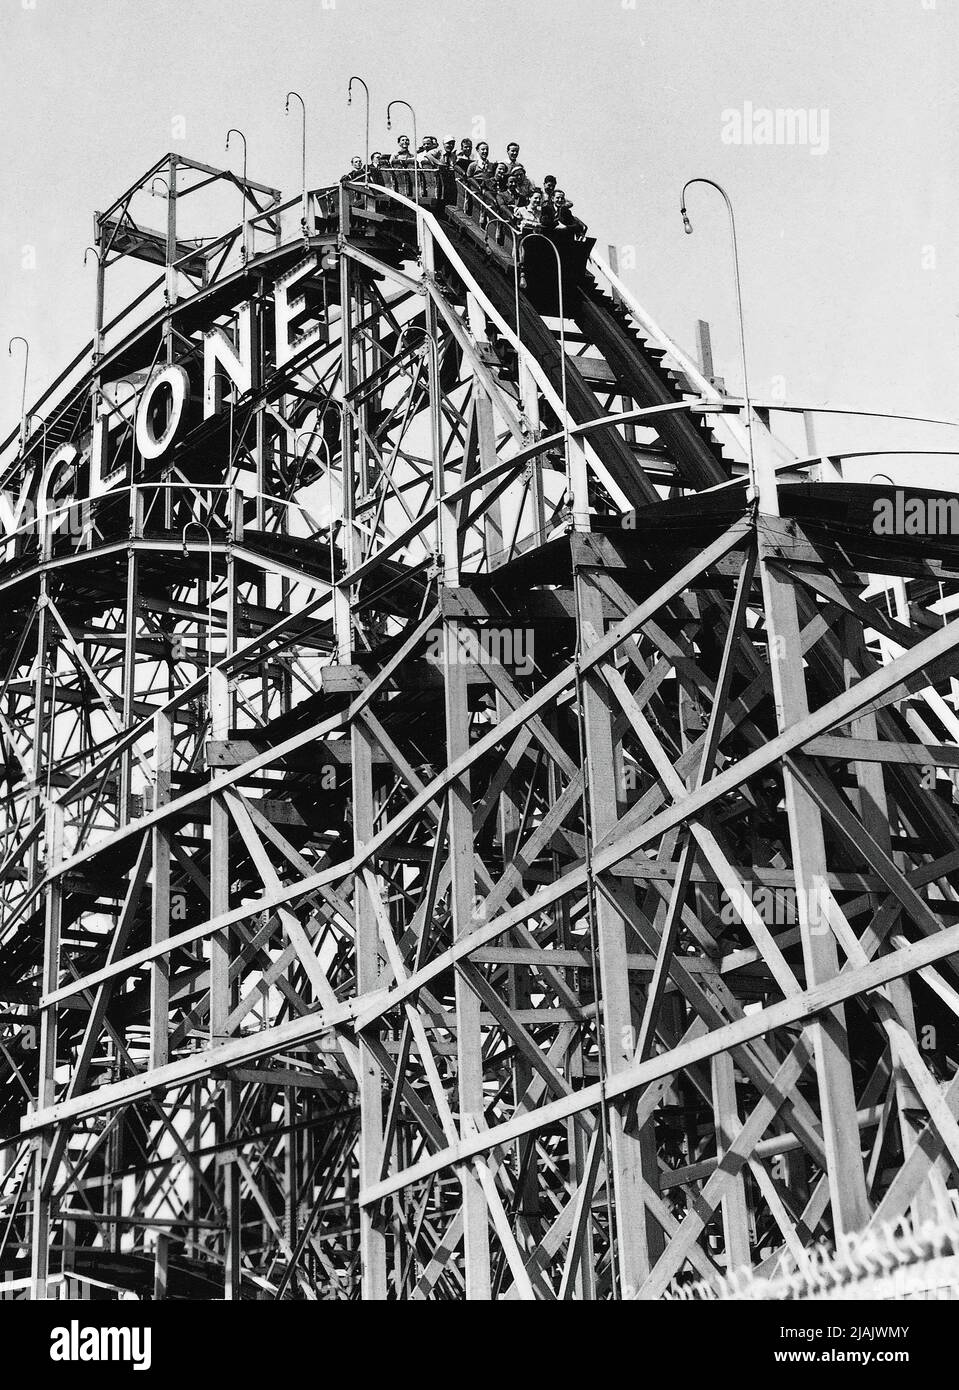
(349, 102)
(303, 149)
(763, 488)
(18, 338)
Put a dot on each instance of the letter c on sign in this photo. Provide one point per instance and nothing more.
(149, 442)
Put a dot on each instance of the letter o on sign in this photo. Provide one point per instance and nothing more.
(153, 441)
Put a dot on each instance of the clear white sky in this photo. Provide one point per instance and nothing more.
(849, 256)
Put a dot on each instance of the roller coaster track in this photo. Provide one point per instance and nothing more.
(455, 845)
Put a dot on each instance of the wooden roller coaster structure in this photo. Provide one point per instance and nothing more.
(456, 844)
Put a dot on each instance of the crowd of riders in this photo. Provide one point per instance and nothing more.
(503, 185)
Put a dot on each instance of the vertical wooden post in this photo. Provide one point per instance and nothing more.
(631, 1158)
(342, 611)
(42, 1181)
(221, 989)
(874, 814)
(469, 1050)
(171, 274)
(734, 1209)
(446, 533)
(161, 1264)
(160, 911)
(368, 962)
(847, 1185)
(129, 661)
(704, 344)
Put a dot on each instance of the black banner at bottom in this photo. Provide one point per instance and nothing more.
(253, 1341)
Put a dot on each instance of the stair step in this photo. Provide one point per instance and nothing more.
(595, 370)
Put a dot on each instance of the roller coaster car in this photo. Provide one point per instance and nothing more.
(539, 272)
(506, 246)
(431, 188)
(439, 191)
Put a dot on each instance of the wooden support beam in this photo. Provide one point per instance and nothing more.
(632, 1158)
(469, 1042)
(373, 1247)
(847, 1186)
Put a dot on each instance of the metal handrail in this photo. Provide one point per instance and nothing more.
(495, 216)
(420, 179)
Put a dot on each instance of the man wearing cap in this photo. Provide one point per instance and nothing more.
(521, 187)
